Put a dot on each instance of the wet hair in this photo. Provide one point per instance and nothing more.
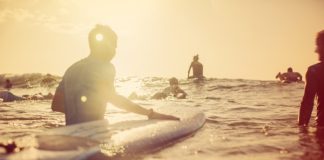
(108, 36)
(196, 57)
(320, 38)
(173, 80)
(289, 69)
(320, 44)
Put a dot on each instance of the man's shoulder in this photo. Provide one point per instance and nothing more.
(77, 64)
(315, 67)
(297, 73)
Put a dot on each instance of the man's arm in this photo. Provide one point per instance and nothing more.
(124, 103)
(307, 103)
(189, 70)
(300, 77)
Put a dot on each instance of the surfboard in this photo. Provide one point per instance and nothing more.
(121, 138)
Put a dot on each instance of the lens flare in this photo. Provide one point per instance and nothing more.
(99, 37)
(83, 98)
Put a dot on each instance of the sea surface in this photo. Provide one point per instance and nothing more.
(247, 119)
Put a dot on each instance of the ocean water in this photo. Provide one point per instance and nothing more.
(247, 119)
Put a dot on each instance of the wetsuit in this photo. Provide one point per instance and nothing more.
(314, 87)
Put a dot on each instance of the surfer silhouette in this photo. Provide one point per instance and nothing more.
(289, 76)
(88, 84)
(314, 87)
(8, 85)
(197, 68)
(173, 90)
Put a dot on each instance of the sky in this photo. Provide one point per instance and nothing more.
(247, 39)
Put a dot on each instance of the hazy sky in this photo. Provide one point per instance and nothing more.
(250, 39)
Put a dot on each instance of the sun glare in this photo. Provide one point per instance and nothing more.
(99, 37)
(83, 98)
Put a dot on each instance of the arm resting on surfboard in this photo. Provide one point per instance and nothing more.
(128, 105)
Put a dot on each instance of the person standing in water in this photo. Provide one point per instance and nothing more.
(290, 76)
(88, 84)
(7, 85)
(314, 87)
(197, 68)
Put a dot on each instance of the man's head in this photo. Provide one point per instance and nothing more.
(102, 42)
(320, 45)
(173, 81)
(289, 69)
(196, 57)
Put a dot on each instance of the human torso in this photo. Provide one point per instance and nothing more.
(85, 85)
(197, 68)
(291, 77)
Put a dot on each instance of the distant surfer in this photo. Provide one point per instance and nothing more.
(289, 76)
(8, 96)
(314, 87)
(197, 69)
(7, 85)
(173, 90)
(88, 84)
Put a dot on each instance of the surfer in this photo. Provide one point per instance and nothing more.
(197, 68)
(289, 76)
(88, 84)
(173, 90)
(314, 87)
(7, 85)
(7, 96)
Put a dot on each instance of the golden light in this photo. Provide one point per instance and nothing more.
(99, 37)
(83, 98)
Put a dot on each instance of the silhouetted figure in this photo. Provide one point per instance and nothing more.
(8, 85)
(314, 87)
(290, 76)
(88, 84)
(7, 96)
(173, 90)
(197, 68)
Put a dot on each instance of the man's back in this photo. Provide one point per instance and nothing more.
(86, 85)
(292, 76)
(197, 68)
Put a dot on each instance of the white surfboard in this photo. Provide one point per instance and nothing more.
(83, 140)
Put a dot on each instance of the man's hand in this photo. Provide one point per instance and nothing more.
(155, 115)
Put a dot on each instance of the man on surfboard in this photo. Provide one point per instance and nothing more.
(173, 90)
(290, 76)
(314, 87)
(88, 84)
